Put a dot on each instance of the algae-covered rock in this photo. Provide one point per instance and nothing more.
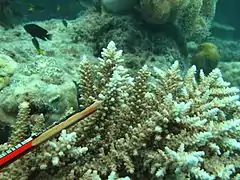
(50, 99)
(7, 68)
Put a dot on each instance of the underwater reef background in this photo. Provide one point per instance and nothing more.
(167, 73)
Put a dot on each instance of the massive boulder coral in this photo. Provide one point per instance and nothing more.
(206, 57)
(169, 128)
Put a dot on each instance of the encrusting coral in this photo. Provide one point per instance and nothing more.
(174, 130)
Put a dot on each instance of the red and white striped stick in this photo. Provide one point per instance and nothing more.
(32, 142)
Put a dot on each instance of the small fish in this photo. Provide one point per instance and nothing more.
(35, 8)
(58, 7)
(64, 22)
(37, 46)
(37, 31)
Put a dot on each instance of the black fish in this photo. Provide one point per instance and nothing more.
(37, 46)
(37, 31)
(64, 22)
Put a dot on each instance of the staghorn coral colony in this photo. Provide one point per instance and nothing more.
(168, 128)
(165, 114)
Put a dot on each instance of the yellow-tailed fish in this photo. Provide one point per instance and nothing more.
(37, 46)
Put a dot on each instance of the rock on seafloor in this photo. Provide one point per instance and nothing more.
(50, 99)
(7, 68)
